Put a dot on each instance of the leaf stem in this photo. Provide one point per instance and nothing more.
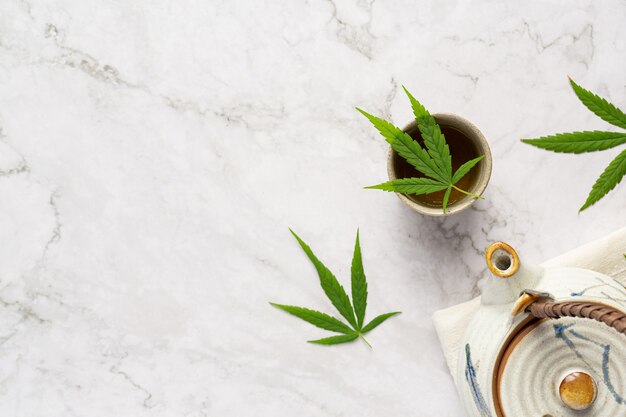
(466, 193)
(365, 340)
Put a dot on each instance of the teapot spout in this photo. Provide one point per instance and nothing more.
(502, 260)
(509, 276)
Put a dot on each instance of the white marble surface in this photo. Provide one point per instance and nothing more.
(153, 155)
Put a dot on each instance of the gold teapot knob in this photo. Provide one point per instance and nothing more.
(577, 391)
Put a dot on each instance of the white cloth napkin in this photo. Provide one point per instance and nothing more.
(605, 255)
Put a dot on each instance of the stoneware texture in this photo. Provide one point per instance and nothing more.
(538, 363)
(153, 154)
(475, 136)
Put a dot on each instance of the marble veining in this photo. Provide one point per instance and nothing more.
(153, 155)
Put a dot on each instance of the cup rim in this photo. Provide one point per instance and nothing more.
(470, 131)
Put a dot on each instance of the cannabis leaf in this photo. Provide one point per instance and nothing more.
(602, 108)
(611, 176)
(591, 141)
(353, 312)
(359, 283)
(579, 142)
(435, 162)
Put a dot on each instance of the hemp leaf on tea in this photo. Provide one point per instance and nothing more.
(435, 162)
(353, 312)
(591, 141)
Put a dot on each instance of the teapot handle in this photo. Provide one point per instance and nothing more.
(602, 313)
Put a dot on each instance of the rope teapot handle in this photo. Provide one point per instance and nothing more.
(602, 313)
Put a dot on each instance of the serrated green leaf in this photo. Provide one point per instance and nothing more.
(359, 284)
(579, 142)
(611, 176)
(377, 321)
(333, 289)
(465, 168)
(600, 106)
(446, 197)
(316, 318)
(386, 129)
(434, 162)
(433, 137)
(411, 186)
(334, 340)
(327, 322)
(404, 145)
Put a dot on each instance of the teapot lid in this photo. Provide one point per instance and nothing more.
(563, 367)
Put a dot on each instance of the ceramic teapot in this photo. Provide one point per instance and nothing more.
(545, 342)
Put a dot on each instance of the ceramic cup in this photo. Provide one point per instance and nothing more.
(471, 132)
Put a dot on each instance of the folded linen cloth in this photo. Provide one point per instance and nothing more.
(605, 255)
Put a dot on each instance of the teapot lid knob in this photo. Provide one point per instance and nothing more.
(502, 259)
(577, 390)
